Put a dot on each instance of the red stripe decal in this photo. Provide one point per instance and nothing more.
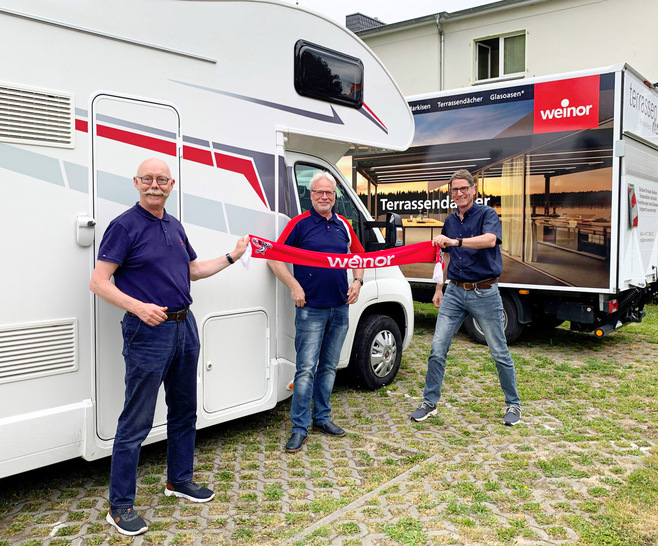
(134, 139)
(234, 164)
(241, 166)
(374, 116)
(197, 155)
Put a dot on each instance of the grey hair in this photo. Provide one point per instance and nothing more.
(462, 174)
(319, 176)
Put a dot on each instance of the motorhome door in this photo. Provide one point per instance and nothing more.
(125, 132)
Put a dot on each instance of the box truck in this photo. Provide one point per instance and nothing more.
(245, 101)
(569, 162)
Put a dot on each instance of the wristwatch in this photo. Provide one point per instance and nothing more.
(459, 241)
(358, 279)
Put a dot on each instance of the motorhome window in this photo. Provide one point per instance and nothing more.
(328, 75)
(500, 57)
(344, 205)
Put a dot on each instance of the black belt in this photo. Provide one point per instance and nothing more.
(178, 316)
(468, 285)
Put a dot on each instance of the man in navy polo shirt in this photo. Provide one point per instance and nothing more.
(321, 297)
(147, 252)
(471, 237)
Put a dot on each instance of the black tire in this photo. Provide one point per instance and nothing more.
(376, 352)
(513, 328)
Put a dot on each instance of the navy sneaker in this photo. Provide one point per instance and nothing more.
(512, 416)
(127, 521)
(190, 491)
(423, 411)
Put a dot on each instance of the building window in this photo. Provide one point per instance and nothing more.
(500, 57)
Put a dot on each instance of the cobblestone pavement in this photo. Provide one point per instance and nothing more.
(458, 478)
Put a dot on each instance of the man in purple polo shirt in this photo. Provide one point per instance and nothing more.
(321, 297)
(147, 252)
(471, 237)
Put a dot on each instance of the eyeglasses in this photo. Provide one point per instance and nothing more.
(320, 193)
(463, 189)
(161, 180)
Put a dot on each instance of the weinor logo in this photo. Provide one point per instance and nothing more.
(567, 105)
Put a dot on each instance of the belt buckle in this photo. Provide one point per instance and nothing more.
(177, 315)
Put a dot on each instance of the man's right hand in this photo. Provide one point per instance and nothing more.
(151, 314)
(298, 296)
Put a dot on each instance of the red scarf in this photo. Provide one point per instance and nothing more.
(409, 254)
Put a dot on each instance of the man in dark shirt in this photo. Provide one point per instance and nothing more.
(147, 252)
(470, 237)
(321, 297)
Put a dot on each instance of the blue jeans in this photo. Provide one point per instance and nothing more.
(487, 308)
(319, 337)
(169, 354)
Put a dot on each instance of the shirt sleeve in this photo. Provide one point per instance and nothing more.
(289, 234)
(355, 245)
(115, 244)
(190, 250)
(491, 224)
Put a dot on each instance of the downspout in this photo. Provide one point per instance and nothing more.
(442, 52)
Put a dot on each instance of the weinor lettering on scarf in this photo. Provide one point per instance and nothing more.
(408, 254)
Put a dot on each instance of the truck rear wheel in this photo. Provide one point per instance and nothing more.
(513, 328)
(376, 352)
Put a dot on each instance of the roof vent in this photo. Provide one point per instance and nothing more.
(36, 116)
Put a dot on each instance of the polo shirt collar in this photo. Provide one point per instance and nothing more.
(473, 208)
(146, 214)
(318, 217)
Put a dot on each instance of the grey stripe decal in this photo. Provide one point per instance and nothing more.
(31, 164)
(244, 221)
(118, 189)
(204, 212)
(197, 141)
(137, 126)
(78, 176)
(264, 164)
(367, 114)
(334, 118)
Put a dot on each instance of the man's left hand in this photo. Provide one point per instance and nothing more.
(353, 292)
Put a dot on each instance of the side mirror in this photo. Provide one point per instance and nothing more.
(394, 231)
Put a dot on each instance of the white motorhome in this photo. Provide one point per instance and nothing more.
(569, 162)
(245, 101)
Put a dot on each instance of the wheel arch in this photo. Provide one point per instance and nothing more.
(391, 309)
(523, 305)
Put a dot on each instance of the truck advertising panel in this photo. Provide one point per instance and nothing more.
(542, 157)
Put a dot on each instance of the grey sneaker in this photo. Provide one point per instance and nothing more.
(126, 521)
(512, 416)
(190, 491)
(423, 411)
